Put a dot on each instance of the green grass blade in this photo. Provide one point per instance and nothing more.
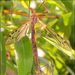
(2, 55)
(24, 56)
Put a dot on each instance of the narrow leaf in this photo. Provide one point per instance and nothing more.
(2, 47)
(24, 56)
(2, 55)
(66, 18)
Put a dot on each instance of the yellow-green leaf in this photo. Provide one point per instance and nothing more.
(24, 56)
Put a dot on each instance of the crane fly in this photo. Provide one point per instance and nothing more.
(22, 30)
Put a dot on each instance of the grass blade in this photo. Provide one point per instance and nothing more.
(25, 57)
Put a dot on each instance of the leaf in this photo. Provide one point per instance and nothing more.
(66, 18)
(24, 4)
(2, 48)
(2, 55)
(52, 22)
(57, 3)
(72, 36)
(24, 56)
(68, 4)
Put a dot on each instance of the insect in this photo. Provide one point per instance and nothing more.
(34, 17)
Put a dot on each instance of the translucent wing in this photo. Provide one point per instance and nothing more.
(23, 30)
(59, 42)
(18, 33)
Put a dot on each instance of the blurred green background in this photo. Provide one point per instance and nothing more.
(53, 60)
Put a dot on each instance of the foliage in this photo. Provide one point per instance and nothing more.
(54, 37)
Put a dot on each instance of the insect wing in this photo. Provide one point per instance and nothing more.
(23, 30)
(18, 33)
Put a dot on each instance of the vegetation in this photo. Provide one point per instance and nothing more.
(37, 37)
